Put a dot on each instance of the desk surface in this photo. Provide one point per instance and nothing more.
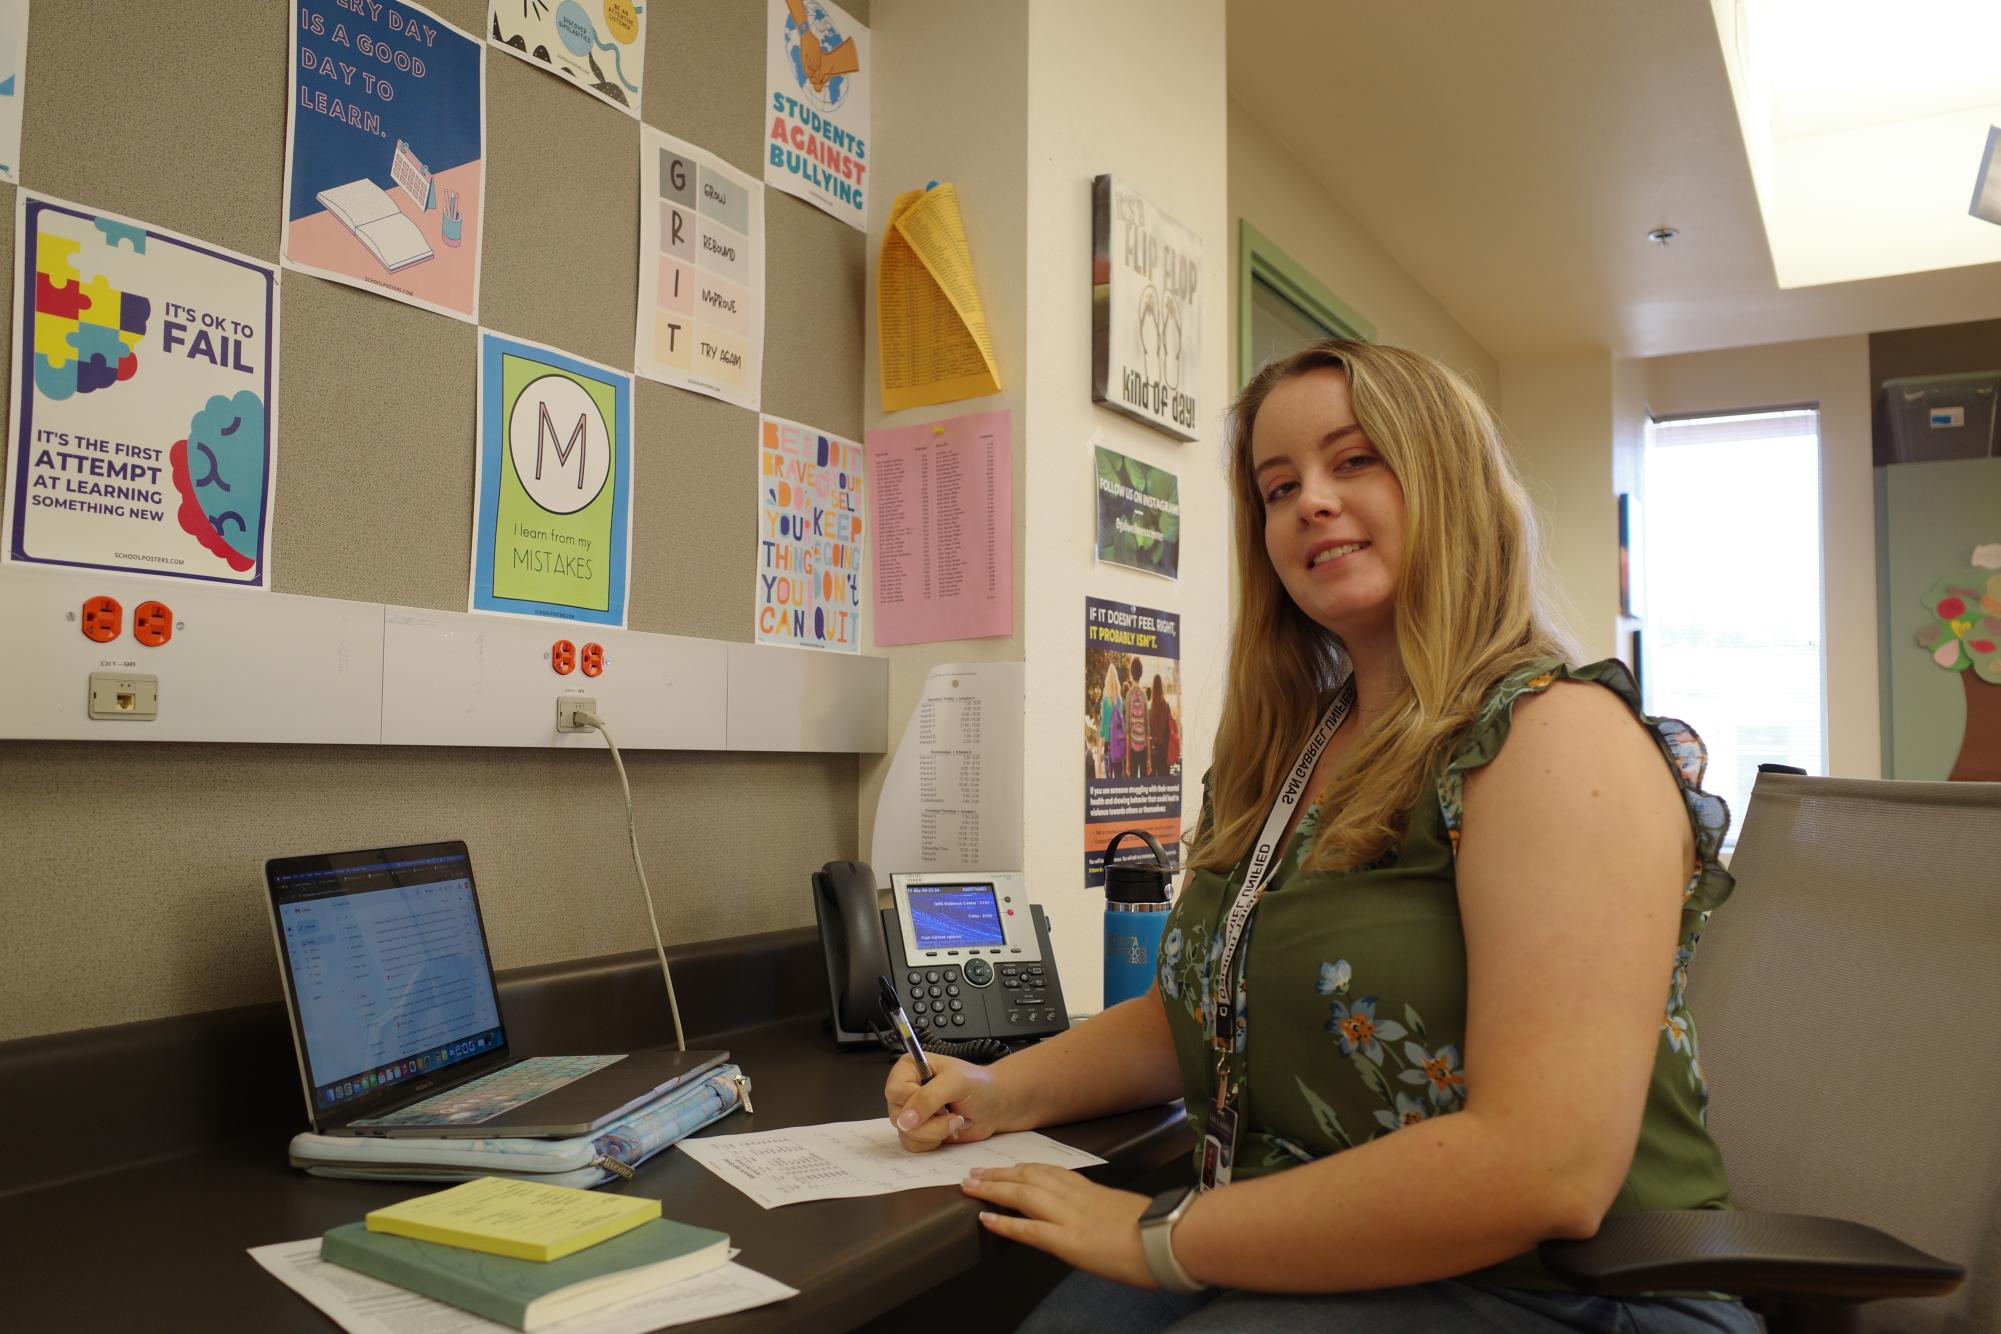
(163, 1245)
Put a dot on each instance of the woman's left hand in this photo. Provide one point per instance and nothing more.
(1085, 1225)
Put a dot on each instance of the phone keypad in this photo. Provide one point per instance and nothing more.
(936, 1001)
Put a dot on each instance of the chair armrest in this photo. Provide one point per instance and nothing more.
(1793, 1256)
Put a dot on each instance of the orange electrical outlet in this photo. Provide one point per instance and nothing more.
(103, 618)
(152, 623)
(593, 659)
(563, 657)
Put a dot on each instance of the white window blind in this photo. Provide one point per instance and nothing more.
(1733, 636)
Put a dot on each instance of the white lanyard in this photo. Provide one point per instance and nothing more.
(1252, 888)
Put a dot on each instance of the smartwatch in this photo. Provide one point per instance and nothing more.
(1156, 1239)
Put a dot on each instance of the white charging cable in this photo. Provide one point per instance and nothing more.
(646, 894)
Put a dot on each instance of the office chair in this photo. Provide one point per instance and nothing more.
(1846, 999)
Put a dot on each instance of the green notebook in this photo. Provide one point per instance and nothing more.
(529, 1294)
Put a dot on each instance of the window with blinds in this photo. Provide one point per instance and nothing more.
(1734, 639)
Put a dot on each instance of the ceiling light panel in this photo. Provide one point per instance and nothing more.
(1865, 123)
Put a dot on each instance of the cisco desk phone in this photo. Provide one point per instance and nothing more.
(968, 953)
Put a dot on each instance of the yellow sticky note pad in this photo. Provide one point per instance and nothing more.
(522, 1219)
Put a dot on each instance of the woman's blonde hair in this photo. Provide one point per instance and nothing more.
(1469, 610)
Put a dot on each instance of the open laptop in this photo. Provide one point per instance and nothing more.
(396, 1019)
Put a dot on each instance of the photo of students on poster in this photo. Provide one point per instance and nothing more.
(1132, 730)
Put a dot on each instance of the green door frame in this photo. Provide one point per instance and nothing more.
(1259, 258)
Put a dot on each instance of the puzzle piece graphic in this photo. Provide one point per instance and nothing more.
(86, 334)
(54, 381)
(103, 303)
(52, 339)
(93, 374)
(114, 232)
(104, 357)
(66, 301)
(55, 255)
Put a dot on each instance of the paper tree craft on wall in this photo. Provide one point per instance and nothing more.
(1965, 637)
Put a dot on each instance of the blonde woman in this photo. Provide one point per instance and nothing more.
(1422, 989)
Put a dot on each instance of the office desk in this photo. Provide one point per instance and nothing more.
(162, 1245)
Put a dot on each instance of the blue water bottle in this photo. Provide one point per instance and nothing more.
(1135, 913)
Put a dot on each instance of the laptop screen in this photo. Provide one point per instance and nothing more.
(386, 959)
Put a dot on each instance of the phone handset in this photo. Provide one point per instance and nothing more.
(851, 936)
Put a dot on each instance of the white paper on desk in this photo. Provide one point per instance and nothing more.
(843, 1159)
(363, 1305)
(952, 798)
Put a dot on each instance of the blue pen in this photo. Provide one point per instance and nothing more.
(892, 1008)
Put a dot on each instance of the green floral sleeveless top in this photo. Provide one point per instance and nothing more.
(1354, 986)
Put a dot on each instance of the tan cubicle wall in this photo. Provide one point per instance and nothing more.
(130, 883)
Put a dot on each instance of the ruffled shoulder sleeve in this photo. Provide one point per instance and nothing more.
(1709, 883)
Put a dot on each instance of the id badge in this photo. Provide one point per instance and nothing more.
(1219, 1146)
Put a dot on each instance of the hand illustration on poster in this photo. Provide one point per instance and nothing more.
(127, 330)
(553, 497)
(1132, 730)
(385, 178)
(816, 86)
(599, 47)
(810, 534)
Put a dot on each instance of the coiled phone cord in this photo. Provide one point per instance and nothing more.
(980, 1051)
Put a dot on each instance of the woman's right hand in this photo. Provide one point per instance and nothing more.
(962, 1103)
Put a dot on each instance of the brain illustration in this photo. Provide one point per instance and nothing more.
(219, 471)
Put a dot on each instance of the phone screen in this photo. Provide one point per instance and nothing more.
(946, 917)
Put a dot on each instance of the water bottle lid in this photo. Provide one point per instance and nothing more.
(1136, 883)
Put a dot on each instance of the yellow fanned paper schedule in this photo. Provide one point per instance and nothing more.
(522, 1219)
(931, 328)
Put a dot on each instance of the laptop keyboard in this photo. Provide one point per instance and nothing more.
(491, 1095)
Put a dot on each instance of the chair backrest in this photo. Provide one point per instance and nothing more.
(1848, 1004)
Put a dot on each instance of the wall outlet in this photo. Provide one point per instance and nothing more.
(567, 709)
(152, 623)
(132, 695)
(103, 619)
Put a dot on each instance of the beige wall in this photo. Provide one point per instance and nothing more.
(984, 154)
(1558, 416)
(1096, 72)
(1270, 188)
(1054, 112)
(1833, 374)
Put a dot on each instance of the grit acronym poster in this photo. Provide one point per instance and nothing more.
(144, 404)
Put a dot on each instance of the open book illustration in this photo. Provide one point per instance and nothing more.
(368, 211)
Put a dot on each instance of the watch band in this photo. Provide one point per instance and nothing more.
(1156, 1239)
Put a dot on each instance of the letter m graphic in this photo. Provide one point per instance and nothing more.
(545, 431)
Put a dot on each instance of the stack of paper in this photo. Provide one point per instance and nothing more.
(363, 1305)
(931, 334)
